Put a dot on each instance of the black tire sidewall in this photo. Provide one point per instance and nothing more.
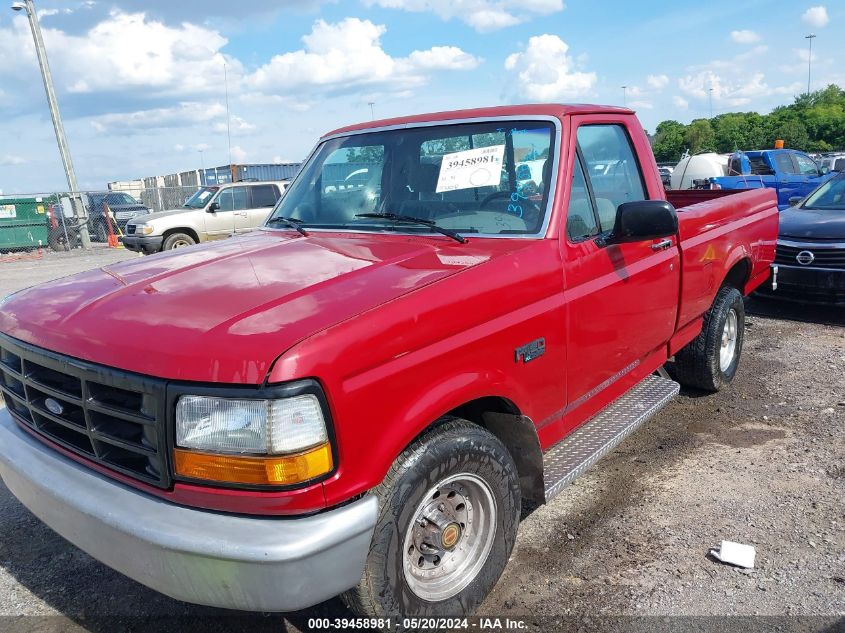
(170, 239)
(474, 451)
(730, 299)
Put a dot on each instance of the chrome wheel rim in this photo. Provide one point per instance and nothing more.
(729, 337)
(450, 537)
(181, 243)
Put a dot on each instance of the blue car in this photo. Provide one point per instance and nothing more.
(791, 173)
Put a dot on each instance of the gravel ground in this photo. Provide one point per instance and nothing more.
(762, 463)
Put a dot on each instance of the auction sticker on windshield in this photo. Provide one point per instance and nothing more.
(480, 167)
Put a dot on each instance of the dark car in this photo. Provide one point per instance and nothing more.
(811, 247)
(123, 206)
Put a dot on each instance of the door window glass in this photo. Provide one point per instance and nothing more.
(225, 200)
(806, 166)
(783, 162)
(612, 168)
(580, 217)
(233, 199)
(264, 196)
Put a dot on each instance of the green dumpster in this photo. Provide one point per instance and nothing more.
(24, 222)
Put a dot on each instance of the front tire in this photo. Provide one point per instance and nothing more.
(177, 240)
(448, 515)
(710, 361)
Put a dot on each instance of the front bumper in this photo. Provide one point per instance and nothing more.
(808, 284)
(229, 561)
(142, 244)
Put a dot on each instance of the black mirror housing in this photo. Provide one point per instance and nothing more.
(211, 208)
(643, 220)
(795, 200)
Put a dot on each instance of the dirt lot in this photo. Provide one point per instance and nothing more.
(761, 463)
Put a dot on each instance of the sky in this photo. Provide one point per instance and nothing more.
(142, 86)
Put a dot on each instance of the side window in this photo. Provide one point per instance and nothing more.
(241, 200)
(612, 168)
(580, 216)
(264, 196)
(806, 166)
(784, 165)
(226, 200)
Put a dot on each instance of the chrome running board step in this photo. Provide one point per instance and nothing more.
(599, 435)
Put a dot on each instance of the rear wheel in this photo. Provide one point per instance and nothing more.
(449, 511)
(101, 234)
(177, 240)
(711, 360)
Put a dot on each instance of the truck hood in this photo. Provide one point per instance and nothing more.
(223, 312)
(813, 224)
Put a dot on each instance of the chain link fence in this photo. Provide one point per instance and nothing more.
(32, 224)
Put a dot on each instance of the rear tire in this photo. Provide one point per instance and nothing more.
(177, 240)
(448, 513)
(710, 361)
(101, 233)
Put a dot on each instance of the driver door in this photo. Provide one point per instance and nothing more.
(220, 223)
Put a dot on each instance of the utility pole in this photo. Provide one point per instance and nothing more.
(711, 102)
(228, 118)
(625, 96)
(810, 37)
(372, 109)
(58, 126)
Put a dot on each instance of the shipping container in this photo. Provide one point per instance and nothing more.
(24, 221)
(190, 178)
(271, 171)
(171, 180)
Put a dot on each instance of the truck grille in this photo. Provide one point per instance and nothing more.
(130, 229)
(110, 417)
(823, 256)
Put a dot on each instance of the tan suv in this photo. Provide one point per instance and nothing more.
(212, 213)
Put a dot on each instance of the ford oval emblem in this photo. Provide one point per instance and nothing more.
(805, 258)
(54, 406)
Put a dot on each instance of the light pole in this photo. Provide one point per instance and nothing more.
(372, 109)
(228, 117)
(625, 96)
(711, 102)
(810, 37)
(59, 128)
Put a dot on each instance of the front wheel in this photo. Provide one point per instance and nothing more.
(449, 511)
(711, 360)
(177, 240)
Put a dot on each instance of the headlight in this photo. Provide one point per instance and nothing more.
(281, 441)
(143, 229)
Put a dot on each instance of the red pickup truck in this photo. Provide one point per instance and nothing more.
(448, 316)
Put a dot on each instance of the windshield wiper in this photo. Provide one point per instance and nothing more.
(289, 222)
(412, 220)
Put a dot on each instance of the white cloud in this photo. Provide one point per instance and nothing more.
(732, 92)
(184, 114)
(680, 102)
(482, 15)
(123, 51)
(236, 123)
(11, 159)
(546, 73)
(347, 56)
(239, 154)
(640, 104)
(657, 82)
(816, 16)
(745, 37)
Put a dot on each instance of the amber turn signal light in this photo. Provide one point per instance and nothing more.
(274, 470)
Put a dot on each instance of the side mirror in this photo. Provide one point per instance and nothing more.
(824, 171)
(794, 201)
(214, 206)
(643, 220)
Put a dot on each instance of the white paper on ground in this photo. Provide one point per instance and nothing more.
(735, 554)
(481, 167)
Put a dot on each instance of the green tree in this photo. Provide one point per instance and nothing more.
(669, 142)
(700, 137)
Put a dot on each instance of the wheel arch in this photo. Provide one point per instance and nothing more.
(181, 229)
(739, 272)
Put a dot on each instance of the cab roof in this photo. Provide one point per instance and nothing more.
(547, 109)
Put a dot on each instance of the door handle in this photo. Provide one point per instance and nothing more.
(662, 245)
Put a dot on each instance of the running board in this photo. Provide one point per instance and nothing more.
(594, 439)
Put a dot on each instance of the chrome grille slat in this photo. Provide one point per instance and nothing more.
(88, 419)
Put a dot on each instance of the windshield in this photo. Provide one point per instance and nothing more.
(200, 198)
(490, 178)
(831, 195)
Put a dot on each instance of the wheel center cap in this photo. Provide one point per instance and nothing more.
(450, 536)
